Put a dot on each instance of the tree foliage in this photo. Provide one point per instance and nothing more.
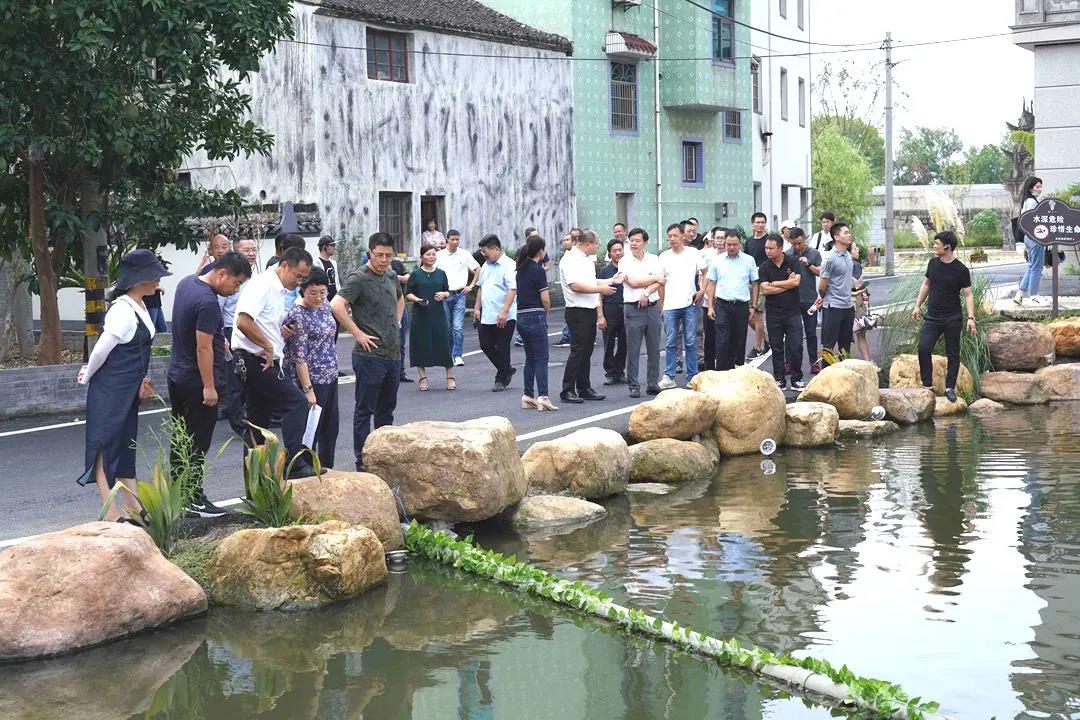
(981, 165)
(99, 104)
(924, 154)
(842, 180)
(862, 135)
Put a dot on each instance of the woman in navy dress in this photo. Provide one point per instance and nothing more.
(116, 380)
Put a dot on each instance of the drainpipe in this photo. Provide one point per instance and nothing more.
(772, 138)
(656, 121)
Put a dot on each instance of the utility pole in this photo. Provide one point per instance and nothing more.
(889, 259)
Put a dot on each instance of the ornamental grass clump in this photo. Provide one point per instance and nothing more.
(268, 495)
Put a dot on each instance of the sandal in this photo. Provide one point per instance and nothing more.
(451, 384)
(423, 385)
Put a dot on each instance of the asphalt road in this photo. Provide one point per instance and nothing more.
(41, 456)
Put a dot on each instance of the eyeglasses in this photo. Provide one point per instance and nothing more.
(382, 256)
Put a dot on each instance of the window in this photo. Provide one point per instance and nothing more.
(394, 213)
(624, 106)
(624, 208)
(723, 30)
(693, 160)
(732, 125)
(387, 56)
(783, 8)
(783, 93)
(755, 75)
(802, 103)
(802, 14)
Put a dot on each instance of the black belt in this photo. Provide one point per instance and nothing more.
(634, 303)
(733, 302)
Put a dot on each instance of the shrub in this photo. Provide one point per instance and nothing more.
(985, 230)
(268, 495)
(906, 240)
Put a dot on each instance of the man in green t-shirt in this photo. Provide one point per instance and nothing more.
(369, 307)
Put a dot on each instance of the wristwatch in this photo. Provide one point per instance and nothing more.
(307, 389)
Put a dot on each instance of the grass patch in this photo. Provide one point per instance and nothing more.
(192, 556)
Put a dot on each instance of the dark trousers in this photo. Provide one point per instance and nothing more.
(709, 362)
(809, 324)
(232, 403)
(582, 324)
(731, 321)
(932, 329)
(377, 381)
(532, 327)
(404, 336)
(198, 420)
(785, 331)
(837, 329)
(326, 433)
(269, 393)
(614, 342)
(495, 342)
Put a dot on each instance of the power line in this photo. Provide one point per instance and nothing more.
(876, 43)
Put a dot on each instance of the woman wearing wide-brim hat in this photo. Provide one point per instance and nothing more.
(116, 379)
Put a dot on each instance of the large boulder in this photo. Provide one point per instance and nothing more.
(544, 511)
(1062, 382)
(749, 408)
(296, 567)
(457, 472)
(1020, 346)
(866, 429)
(87, 585)
(811, 424)
(353, 497)
(904, 373)
(1066, 334)
(677, 413)
(906, 406)
(850, 386)
(666, 461)
(591, 463)
(1014, 387)
(984, 407)
(943, 407)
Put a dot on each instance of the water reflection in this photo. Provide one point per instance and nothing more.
(945, 557)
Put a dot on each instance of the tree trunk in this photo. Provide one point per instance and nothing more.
(49, 347)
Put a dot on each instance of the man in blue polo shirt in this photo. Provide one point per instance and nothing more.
(731, 286)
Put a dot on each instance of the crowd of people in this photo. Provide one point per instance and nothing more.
(260, 348)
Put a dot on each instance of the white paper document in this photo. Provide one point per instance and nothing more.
(312, 422)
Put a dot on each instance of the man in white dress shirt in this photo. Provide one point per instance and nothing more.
(461, 271)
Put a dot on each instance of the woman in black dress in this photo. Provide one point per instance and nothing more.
(116, 379)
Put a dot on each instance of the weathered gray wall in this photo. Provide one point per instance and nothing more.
(492, 134)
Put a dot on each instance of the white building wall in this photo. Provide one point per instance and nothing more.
(781, 164)
(1057, 109)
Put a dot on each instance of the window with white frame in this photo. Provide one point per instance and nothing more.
(732, 125)
(723, 15)
(783, 94)
(755, 76)
(693, 162)
(802, 102)
(624, 102)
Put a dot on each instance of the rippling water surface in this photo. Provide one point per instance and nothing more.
(945, 558)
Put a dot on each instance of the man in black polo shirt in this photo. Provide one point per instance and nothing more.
(946, 278)
(615, 330)
(780, 281)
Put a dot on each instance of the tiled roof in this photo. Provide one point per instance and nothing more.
(452, 17)
(636, 42)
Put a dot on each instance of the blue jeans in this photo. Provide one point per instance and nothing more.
(565, 337)
(455, 315)
(687, 317)
(158, 316)
(1036, 259)
(532, 326)
(376, 390)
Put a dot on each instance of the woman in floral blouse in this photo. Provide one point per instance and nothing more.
(311, 359)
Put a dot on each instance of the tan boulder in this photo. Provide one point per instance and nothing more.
(906, 406)
(1019, 346)
(352, 497)
(545, 511)
(591, 463)
(904, 373)
(943, 408)
(457, 472)
(749, 408)
(87, 585)
(811, 424)
(1062, 382)
(666, 461)
(865, 429)
(1066, 333)
(1014, 387)
(296, 567)
(678, 413)
(984, 407)
(850, 386)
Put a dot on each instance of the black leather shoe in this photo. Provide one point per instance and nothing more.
(304, 470)
(635, 392)
(404, 378)
(652, 390)
(616, 380)
(591, 395)
(572, 398)
(499, 386)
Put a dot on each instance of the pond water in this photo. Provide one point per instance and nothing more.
(945, 558)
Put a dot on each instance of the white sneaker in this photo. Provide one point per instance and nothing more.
(458, 362)
(667, 383)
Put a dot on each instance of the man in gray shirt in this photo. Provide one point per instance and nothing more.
(808, 263)
(835, 289)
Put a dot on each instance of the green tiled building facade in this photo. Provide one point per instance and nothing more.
(705, 92)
